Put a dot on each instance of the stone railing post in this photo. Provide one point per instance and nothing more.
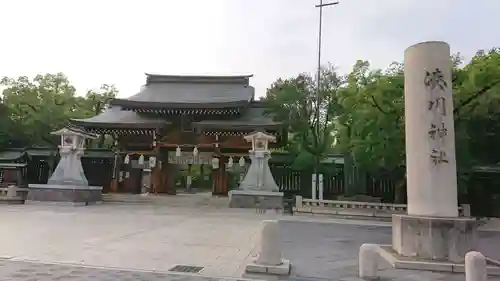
(11, 192)
(298, 202)
(475, 267)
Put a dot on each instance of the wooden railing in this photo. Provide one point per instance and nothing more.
(354, 209)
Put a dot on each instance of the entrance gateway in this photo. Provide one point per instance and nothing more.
(179, 129)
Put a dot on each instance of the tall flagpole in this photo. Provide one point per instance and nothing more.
(318, 85)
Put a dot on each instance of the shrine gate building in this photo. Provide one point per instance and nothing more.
(182, 131)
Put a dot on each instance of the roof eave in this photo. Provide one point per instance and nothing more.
(103, 125)
(160, 105)
(203, 126)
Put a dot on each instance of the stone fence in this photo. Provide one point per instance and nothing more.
(355, 208)
(21, 192)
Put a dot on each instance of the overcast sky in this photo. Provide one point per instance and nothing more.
(116, 42)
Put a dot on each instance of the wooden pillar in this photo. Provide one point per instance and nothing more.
(169, 184)
(114, 178)
(219, 179)
(156, 173)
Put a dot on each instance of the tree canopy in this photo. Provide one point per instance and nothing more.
(294, 101)
(32, 108)
(363, 113)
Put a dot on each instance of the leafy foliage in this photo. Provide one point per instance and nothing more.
(32, 108)
(363, 115)
(371, 127)
(294, 101)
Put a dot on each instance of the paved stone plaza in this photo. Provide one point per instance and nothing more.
(142, 242)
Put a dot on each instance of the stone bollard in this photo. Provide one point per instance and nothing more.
(270, 245)
(475, 267)
(368, 261)
(11, 192)
(269, 259)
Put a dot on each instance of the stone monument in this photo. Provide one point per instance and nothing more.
(68, 183)
(258, 189)
(432, 230)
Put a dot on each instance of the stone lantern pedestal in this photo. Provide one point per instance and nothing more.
(68, 184)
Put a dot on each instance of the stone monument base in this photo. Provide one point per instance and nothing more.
(400, 262)
(64, 194)
(432, 243)
(434, 238)
(255, 199)
(281, 269)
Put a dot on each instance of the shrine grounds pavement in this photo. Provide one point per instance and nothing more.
(141, 242)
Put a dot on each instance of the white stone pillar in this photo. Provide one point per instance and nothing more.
(368, 261)
(270, 246)
(269, 260)
(430, 133)
(475, 267)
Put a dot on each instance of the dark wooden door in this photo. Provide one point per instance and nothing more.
(132, 183)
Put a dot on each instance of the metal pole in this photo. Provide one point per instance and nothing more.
(318, 86)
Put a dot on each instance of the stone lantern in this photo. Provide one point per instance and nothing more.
(258, 189)
(68, 183)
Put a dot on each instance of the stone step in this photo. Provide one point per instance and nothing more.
(180, 200)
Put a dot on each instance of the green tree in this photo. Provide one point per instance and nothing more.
(96, 102)
(5, 127)
(371, 126)
(293, 100)
(39, 106)
(36, 107)
(476, 87)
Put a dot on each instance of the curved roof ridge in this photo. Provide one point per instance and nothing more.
(226, 79)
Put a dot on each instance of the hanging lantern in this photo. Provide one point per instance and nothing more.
(242, 161)
(215, 163)
(178, 151)
(154, 138)
(195, 151)
(126, 161)
(230, 162)
(152, 162)
(141, 160)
